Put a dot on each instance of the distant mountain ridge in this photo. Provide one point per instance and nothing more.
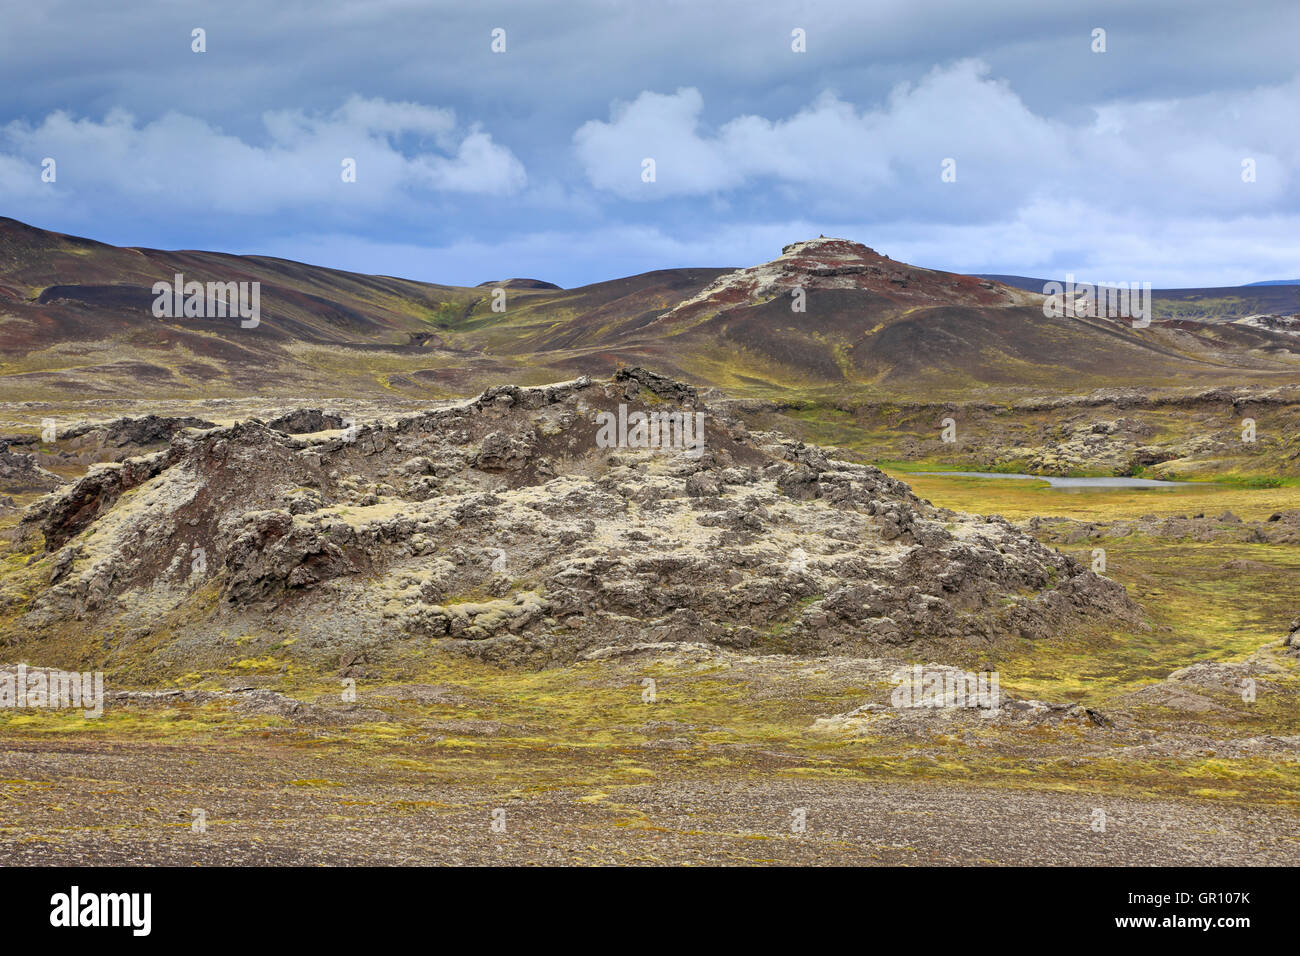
(827, 316)
(1030, 284)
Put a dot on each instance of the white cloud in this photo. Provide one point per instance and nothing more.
(1168, 156)
(828, 146)
(400, 149)
(478, 161)
(1052, 237)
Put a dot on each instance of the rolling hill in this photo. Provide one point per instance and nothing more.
(827, 317)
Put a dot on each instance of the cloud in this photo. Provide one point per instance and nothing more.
(827, 147)
(181, 162)
(1128, 161)
(1168, 156)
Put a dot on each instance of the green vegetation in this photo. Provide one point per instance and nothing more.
(584, 726)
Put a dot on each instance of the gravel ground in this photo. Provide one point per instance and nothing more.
(113, 804)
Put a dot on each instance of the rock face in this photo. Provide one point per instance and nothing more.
(502, 527)
(841, 264)
(1284, 324)
(20, 472)
(91, 442)
(135, 432)
(1174, 433)
(1280, 528)
(304, 421)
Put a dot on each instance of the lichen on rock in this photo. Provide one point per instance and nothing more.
(499, 527)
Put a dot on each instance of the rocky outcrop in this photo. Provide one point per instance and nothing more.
(827, 264)
(304, 421)
(1279, 528)
(87, 443)
(1285, 324)
(21, 472)
(1292, 640)
(634, 379)
(142, 432)
(63, 515)
(1164, 433)
(253, 702)
(1227, 690)
(501, 527)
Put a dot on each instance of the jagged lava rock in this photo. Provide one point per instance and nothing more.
(499, 527)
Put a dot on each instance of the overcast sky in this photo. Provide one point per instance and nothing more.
(1124, 165)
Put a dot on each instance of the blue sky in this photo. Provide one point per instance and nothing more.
(1123, 165)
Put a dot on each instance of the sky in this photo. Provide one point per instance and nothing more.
(493, 139)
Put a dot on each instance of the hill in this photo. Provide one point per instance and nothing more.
(827, 317)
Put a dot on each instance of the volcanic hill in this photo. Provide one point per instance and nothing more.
(76, 321)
